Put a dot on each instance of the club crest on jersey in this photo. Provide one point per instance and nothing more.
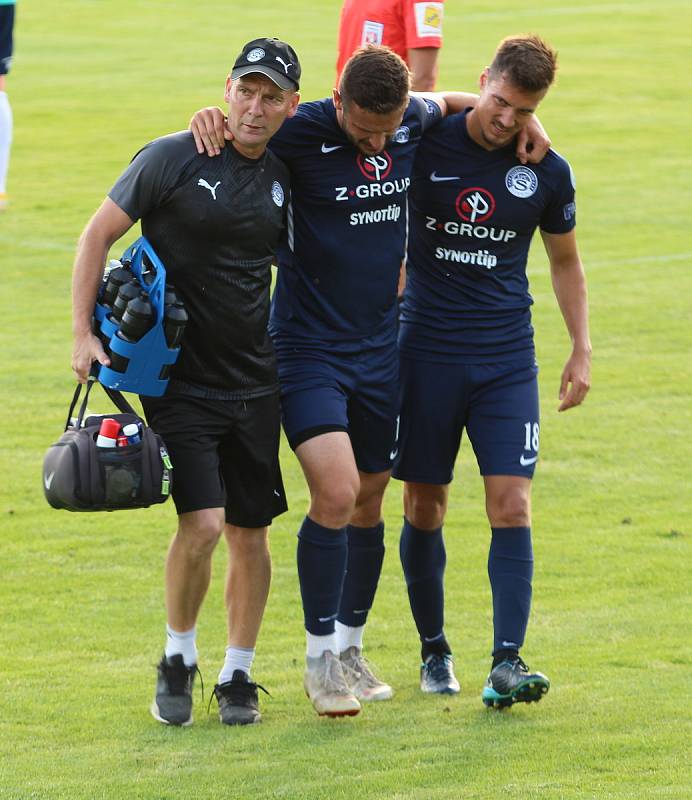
(401, 135)
(257, 54)
(277, 194)
(375, 168)
(521, 181)
(475, 204)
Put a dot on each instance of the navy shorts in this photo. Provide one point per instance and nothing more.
(6, 26)
(225, 454)
(497, 404)
(325, 390)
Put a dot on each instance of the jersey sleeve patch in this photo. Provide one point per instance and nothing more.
(428, 20)
(373, 32)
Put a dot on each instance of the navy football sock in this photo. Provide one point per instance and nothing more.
(321, 566)
(423, 558)
(510, 569)
(363, 567)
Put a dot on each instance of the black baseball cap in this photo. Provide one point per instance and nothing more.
(271, 57)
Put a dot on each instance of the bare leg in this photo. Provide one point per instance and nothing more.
(508, 500)
(332, 477)
(247, 583)
(188, 565)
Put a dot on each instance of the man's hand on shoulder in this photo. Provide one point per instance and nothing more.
(533, 142)
(209, 130)
(87, 349)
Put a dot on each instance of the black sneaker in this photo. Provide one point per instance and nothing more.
(238, 700)
(437, 675)
(172, 704)
(511, 682)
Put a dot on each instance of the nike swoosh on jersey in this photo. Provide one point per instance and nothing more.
(526, 461)
(328, 149)
(435, 178)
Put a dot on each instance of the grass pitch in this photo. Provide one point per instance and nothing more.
(81, 595)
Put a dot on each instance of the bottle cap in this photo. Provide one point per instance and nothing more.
(131, 429)
(109, 428)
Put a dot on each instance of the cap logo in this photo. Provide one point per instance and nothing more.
(257, 54)
(283, 64)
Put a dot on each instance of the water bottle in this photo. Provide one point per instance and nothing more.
(137, 319)
(117, 276)
(170, 297)
(132, 432)
(174, 322)
(126, 292)
(108, 433)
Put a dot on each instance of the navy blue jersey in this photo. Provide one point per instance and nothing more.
(339, 265)
(473, 213)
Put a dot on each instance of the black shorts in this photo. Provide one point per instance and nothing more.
(6, 26)
(225, 454)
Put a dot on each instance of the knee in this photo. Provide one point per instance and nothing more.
(425, 506)
(510, 509)
(199, 531)
(333, 502)
(247, 542)
(368, 510)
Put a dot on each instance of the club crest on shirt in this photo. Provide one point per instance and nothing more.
(277, 194)
(401, 135)
(521, 181)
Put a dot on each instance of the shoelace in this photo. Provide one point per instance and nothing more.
(334, 680)
(519, 663)
(515, 663)
(235, 691)
(177, 679)
(439, 666)
(360, 668)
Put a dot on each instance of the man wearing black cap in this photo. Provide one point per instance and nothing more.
(215, 224)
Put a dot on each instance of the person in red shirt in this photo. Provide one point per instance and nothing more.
(413, 30)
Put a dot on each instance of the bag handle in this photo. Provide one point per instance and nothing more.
(116, 397)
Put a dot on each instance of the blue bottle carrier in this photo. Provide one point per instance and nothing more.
(150, 354)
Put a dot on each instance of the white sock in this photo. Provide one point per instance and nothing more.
(349, 637)
(182, 643)
(316, 645)
(236, 658)
(5, 139)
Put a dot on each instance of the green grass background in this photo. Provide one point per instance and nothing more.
(81, 597)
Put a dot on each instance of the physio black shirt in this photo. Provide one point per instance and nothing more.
(215, 225)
